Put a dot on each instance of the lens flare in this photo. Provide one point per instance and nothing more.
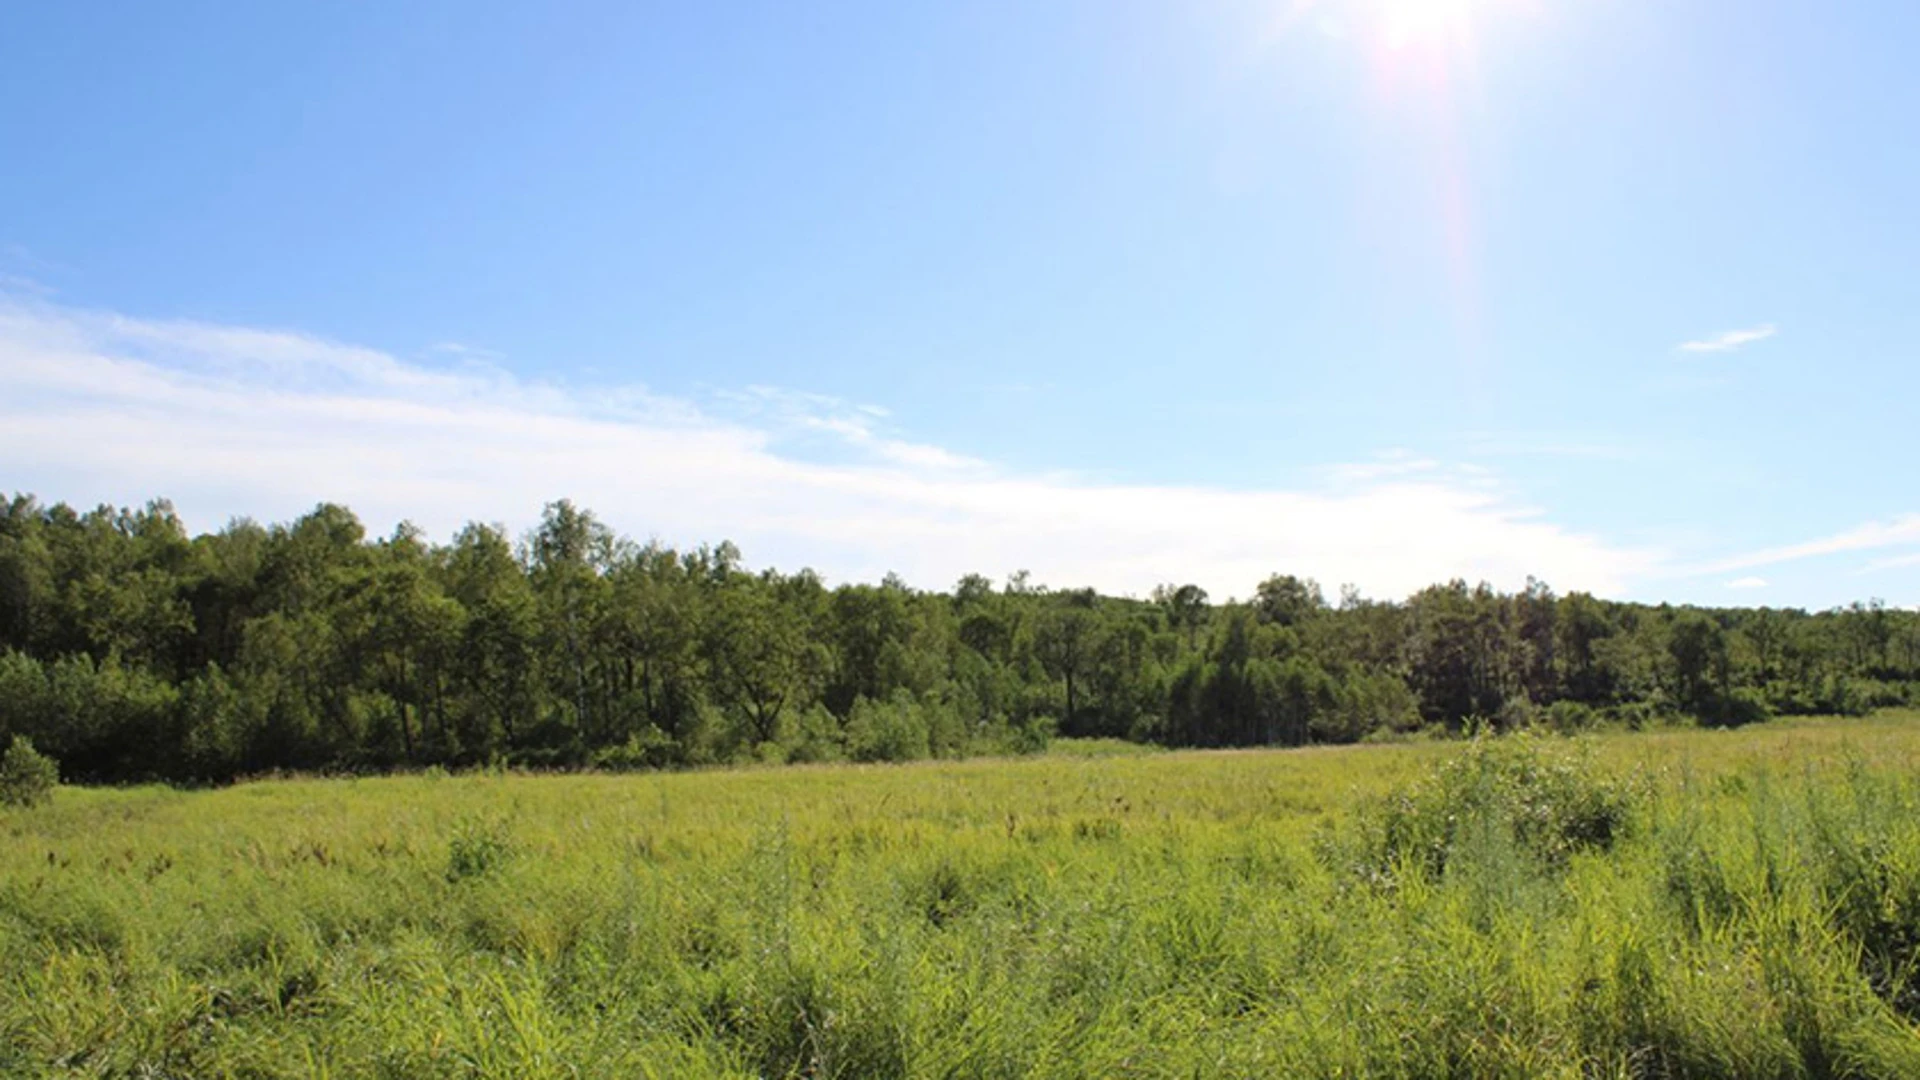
(1424, 23)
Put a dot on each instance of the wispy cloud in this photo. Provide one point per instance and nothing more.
(1730, 340)
(864, 427)
(1747, 583)
(234, 420)
(462, 351)
(21, 283)
(23, 274)
(1395, 464)
(1548, 444)
(1912, 558)
(1904, 529)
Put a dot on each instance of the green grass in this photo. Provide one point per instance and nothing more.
(1712, 904)
(1091, 748)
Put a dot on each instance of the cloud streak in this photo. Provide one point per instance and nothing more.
(1729, 341)
(241, 421)
(1912, 558)
(1904, 529)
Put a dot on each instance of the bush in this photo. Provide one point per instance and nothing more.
(1744, 706)
(214, 726)
(476, 847)
(1877, 694)
(113, 722)
(1841, 696)
(947, 734)
(1635, 715)
(24, 701)
(1033, 736)
(1548, 805)
(647, 748)
(812, 735)
(1373, 702)
(27, 776)
(1517, 713)
(891, 730)
(1568, 717)
(1790, 698)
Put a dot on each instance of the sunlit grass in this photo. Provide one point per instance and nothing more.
(1080, 914)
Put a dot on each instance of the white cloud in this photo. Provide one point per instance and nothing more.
(1386, 465)
(796, 412)
(1747, 583)
(1730, 340)
(231, 420)
(21, 283)
(1904, 529)
(1909, 559)
(460, 350)
(1549, 444)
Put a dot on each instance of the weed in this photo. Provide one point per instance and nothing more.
(1517, 794)
(27, 777)
(1663, 904)
(477, 847)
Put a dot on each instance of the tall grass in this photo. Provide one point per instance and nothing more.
(1699, 904)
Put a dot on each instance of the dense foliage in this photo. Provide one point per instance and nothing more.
(131, 650)
(27, 777)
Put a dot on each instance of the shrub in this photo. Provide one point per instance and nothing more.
(1744, 706)
(24, 701)
(1870, 883)
(1033, 736)
(1567, 717)
(1877, 694)
(647, 748)
(1517, 713)
(477, 846)
(1790, 698)
(812, 735)
(27, 777)
(1548, 805)
(1370, 703)
(890, 730)
(1840, 696)
(947, 734)
(217, 723)
(1635, 715)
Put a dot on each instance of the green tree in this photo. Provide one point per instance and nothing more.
(1460, 653)
(27, 777)
(1186, 608)
(499, 690)
(1285, 600)
(1063, 642)
(1702, 666)
(411, 636)
(567, 555)
(762, 659)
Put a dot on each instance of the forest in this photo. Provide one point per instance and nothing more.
(131, 650)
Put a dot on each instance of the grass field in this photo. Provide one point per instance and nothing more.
(1720, 904)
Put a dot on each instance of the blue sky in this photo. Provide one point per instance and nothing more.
(1621, 294)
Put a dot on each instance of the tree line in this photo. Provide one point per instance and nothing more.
(130, 650)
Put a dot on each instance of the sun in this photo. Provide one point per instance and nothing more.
(1425, 23)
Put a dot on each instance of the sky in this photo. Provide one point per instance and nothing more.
(1623, 295)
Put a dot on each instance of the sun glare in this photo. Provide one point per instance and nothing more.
(1424, 23)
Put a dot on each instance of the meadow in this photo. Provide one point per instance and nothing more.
(1682, 903)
